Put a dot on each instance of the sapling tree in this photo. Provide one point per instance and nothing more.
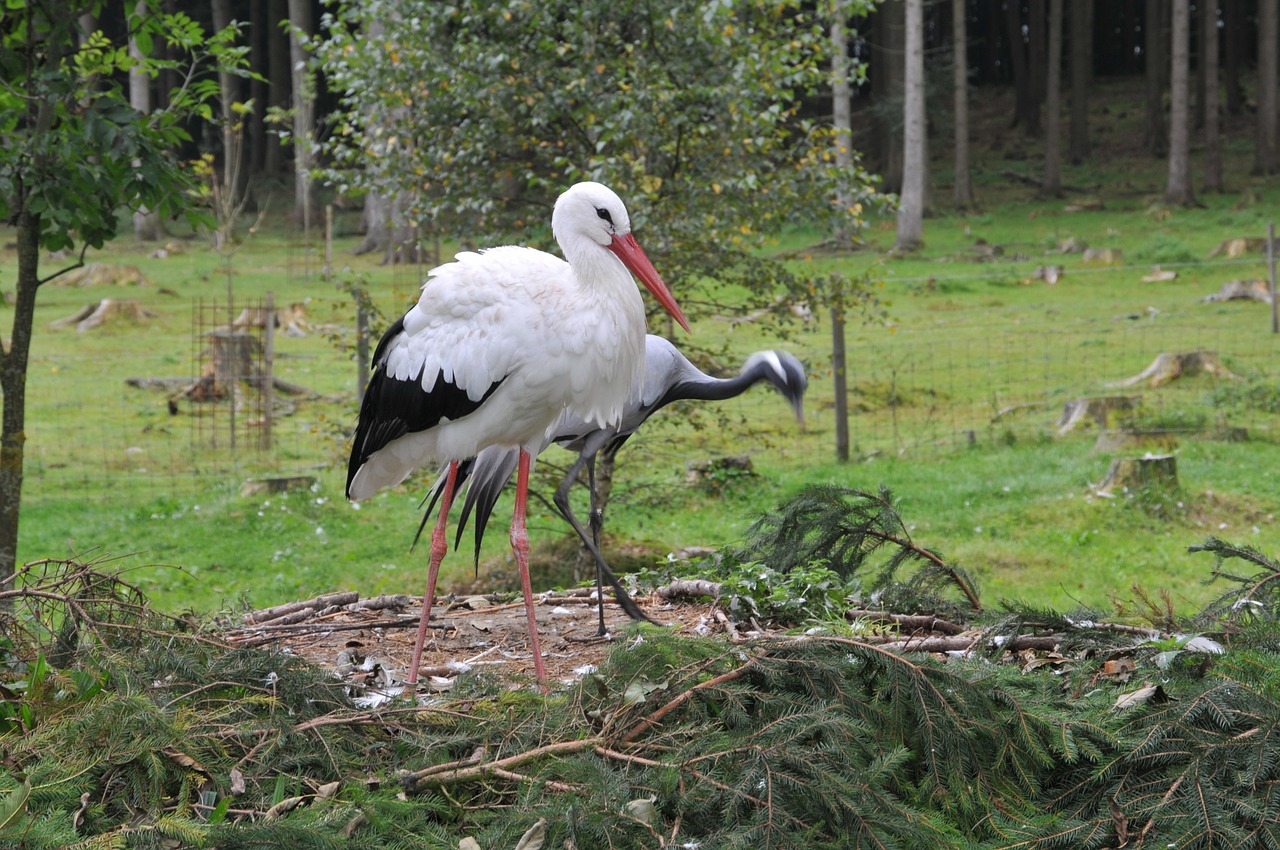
(77, 154)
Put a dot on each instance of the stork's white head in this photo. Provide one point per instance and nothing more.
(590, 210)
(589, 216)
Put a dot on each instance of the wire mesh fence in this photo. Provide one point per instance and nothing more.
(205, 405)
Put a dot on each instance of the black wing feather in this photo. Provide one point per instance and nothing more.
(393, 407)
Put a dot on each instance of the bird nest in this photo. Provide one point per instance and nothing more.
(370, 642)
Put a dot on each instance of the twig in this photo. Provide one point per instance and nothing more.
(965, 644)
(460, 773)
(653, 719)
(553, 784)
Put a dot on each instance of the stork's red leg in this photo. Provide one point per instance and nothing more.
(439, 545)
(520, 545)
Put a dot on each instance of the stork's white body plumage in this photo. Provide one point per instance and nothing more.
(516, 329)
(499, 346)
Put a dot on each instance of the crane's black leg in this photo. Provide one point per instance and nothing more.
(594, 523)
(625, 602)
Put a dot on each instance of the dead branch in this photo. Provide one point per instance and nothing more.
(680, 699)
(433, 776)
(689, 587)
(265, 615)
(914, 622)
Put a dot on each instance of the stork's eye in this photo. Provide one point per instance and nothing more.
(604, 214)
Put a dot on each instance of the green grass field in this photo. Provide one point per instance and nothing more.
(955, 400)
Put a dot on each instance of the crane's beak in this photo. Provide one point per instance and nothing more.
(628, 250)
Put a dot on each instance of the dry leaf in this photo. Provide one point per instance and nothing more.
(1147, 693)
(283, 807)
(643, 810)
(1121, 823)
(78, 820)
(237, 781)
(326, 791)
(352, 825)
(468, 843)
(1119, 667)
(183, 760)
(535, 837)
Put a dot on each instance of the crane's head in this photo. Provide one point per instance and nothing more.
(593, 212)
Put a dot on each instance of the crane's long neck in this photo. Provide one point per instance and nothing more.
(699, 385)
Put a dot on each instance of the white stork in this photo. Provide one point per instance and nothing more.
(668, 377)
(500, 344)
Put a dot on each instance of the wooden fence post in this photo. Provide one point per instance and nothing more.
(268, 391)
(1271, 276)
(839, 371)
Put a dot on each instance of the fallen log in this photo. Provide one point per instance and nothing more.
(107, 310)
(264, 615)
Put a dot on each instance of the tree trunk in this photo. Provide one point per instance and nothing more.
(911, 201)
(841, 118)
(387, 232)
(280, 77)
(1178, 189)
(886, 91)
(13, 389)
(303, 115)
(1156, 138)
(146, 228)
(259, 64)
(229, 86)
(1052, 185)
(1037, 61)
(960, 81)
(1233, 31)
(1025, 112)
(1265, 160)
(1212, 125)
(1081, 74)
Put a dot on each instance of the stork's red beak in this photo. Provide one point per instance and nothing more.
(628, 250)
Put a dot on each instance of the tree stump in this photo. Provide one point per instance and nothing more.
(1241, 290)
(260, 486)
(292, 319)
(1169, 367)
(1230, 433)
(103, 274)
(1049, 274)
(1135, 474)
(1103, 257)
(236, 357)
(107, 310)
(1239, 246)
(715, 472)
(1100, 410)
